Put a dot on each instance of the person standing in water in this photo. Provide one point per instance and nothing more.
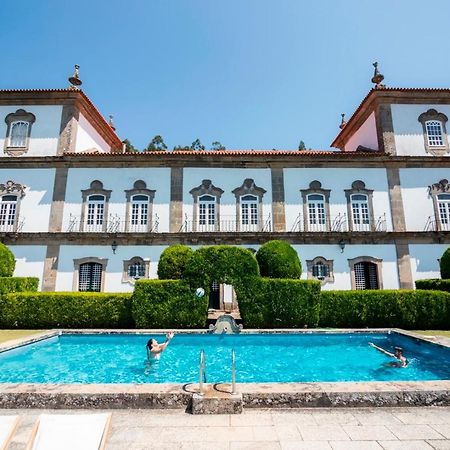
(154, 349)
(398, 355)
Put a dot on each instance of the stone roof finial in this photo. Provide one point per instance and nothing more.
(111, 122)
(75, 80)
(343, 121)
(377, 77)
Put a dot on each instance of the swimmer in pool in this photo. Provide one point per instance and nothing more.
(154, 349)
(398, 355)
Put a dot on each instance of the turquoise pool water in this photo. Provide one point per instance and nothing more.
(259, 358)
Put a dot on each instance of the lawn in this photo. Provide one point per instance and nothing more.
(8, 335)
(433, 333)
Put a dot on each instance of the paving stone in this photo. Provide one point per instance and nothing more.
(323, 433)
(355, 445)
(413, 432)
(368, 432)
(405, 445)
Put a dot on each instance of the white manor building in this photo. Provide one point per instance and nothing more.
(80, 214)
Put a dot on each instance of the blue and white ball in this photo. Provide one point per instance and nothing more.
(200, 292)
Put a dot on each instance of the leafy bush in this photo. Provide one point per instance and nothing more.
(173, 262)
(435, 284)
(270, 303)
(168, 304)
(444, 264)
(402, 309)
(277, 259)
(18, 284)
(7, 261)
(65, 309)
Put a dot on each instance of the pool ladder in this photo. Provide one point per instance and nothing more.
(202, 372)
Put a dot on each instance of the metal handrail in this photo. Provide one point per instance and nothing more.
(202, 372)
(233, 372)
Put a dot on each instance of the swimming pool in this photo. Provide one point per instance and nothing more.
(260, 358)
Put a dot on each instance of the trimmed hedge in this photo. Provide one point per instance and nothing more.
(173, 262)
(281, 303)
(66, 309)
(7, 261)
(435, 284)
(418, 309)
(168, 304)
(18, 284)
(444, 264)
(277, 259)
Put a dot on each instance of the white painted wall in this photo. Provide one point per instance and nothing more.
(119, 180)
(424, 260)
(409, 139)
(114, 268)
(35, 205)
(337, 180)
(29, 260)
(227, 180)
(365, 135)
(88, 137)
(44, 132)
(417, 203)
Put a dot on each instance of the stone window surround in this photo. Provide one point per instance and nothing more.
(96, 188)
(327, 262)
(249, 187)
(206, 188)
(139, 187)
(17, 189)
(359, 187)
(377, 261)
(432, 114)
(315, 187)
(127, 263)
(19, 116)
(441, 187)
(90, 259)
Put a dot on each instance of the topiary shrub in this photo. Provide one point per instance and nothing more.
(277, 259)
(168, 304)
(66, 309)
(18, 284)
(7, 261)
(444, 264)
(173, 262)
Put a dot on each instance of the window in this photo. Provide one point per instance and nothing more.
(365, 273)
(134, 269)
(10, 195)
(316, 212)
(206, 213)
(443, 201)
(139, 208)
(249, 212)
(90, 277)
(95, 213)
(18, 132)
(320, 269)
(434, 132)
(360, 212)
(139, 213)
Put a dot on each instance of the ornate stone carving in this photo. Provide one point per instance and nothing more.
(10, 187)
(439, 187)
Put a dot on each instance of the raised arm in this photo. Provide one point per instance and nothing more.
(382, 350)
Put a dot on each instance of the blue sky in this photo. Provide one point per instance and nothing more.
(249, 73)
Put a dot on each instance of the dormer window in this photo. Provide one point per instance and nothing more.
(434, 131)
(18, 132)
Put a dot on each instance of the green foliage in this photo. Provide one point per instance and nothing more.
(435, 284)
(129, 147)
(444, 264)
(216, 146)
(66, 309)
(277, 259)
(197, 146)
(301, 146)
(377, 308)
(168, 304)
(7, 261)
(18, 284)
(173, 262)
(282, 303)
(222, 263)
(156, 145)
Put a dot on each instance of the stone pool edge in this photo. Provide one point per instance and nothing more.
(254, 395)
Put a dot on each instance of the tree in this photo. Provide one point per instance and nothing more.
(156, 145)
(197, 145)
(129, 147)
(216, 146)
(301, 146)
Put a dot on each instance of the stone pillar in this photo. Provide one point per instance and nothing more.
(58, 200)
(278, 212)
(50, 267)
(385, 129)
(176, 199)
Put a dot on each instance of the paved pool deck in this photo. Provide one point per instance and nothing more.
(282, 429)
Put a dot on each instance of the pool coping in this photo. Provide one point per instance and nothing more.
(254, 395)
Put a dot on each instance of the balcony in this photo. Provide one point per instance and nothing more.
(114, 224)
(11, 226)
(339, 223)
(226, 224)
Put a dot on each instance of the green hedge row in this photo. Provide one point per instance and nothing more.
(435, 284)
(401, 309)
(279, 303)
(168, 304)
(65, 309)
(18, 284)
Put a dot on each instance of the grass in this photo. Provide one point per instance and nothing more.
(8, 335)
(433, 332)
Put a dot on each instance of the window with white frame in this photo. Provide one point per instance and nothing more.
(443, 203)
(435, 135)
(366, 275)
(139, 217)
(8, 212)
(360, 212)
(90, 277)
(249, 212)
(206, 212)
(95, 213)
(316, 212)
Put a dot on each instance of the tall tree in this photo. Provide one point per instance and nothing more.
(197, 145)
(156, 145)
(216, 145)
(129, 147)
(301, 146)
